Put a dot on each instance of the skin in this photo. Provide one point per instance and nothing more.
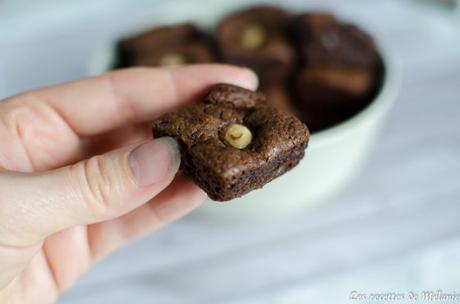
(69, 195)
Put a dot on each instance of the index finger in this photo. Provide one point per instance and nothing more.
(95, 105)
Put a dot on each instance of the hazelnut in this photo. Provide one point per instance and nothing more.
(253, 37)
(238, 136)
(173, 60)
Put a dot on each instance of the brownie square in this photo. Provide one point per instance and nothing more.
(340, 69)
(334, 89)
(321, 120)
(233, 142)
(256, 38)
(176, 55)
(166, 46)
(279, 97)
(327, 42)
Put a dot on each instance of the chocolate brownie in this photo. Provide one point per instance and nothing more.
(334, 89)
(233, 142)
(256, 38)
(326, 42)
(166, 46)
(340, 69)
(278, 97)
(321, 120)
(175, 56)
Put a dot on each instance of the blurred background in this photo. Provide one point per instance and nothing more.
(394, 229)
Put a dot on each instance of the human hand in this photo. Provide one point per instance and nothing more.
(80, 175)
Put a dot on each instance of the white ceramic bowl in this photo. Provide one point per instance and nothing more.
(332, 158)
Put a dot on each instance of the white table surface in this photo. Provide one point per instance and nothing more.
(395, 228)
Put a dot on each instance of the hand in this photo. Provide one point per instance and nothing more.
(80, 175)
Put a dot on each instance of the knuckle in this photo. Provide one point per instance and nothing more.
(19, 110)
(100, 184)
(25, 123)
(15, 121)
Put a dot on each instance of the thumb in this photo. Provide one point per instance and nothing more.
(34, 206)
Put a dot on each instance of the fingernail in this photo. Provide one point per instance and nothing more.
(153, 161)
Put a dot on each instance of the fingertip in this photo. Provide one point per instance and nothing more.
(239, 75)
(248, 79)
(219, 73)
(182, 196)
(185, 183)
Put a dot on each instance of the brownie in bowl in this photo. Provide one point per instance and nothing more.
(312, 65)
(339, 69)
(233, 142)
(256, 38)
(166, 46)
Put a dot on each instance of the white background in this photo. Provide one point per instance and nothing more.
(395, 228)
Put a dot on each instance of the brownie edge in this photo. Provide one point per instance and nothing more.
(225, 169)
